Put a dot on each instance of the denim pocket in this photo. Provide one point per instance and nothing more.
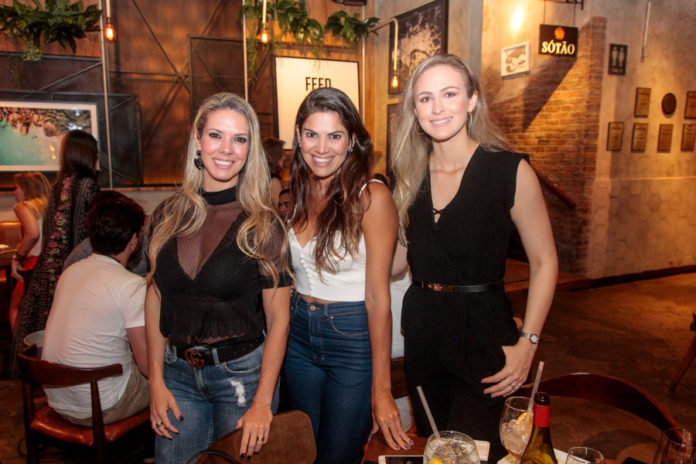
(352, 324)
(169, 356)
(244, 365)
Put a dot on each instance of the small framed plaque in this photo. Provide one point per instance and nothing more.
(639, 139)
(688, 137)
(669, 104)
(690, 110)
(664, 138)
(615, 136)
(642, 106)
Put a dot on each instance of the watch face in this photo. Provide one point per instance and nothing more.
(534, 338)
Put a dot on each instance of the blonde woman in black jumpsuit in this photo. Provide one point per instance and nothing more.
(459, 195)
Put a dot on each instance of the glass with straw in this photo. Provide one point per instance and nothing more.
(447, 446)
(516, 420)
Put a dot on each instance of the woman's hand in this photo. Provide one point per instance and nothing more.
(16, 266)
(256, 425)
(518, 360)
(161, 401)
(386, 417)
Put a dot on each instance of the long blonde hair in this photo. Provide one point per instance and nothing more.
(184, 213)
(36, 189)
(412, 147)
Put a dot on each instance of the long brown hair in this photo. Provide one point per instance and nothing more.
(339, 223)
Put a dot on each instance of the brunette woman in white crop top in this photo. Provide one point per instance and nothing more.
(342, 237)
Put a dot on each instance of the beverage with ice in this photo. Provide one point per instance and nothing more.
(515, 425)
(451, 448)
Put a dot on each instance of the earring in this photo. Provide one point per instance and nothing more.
(197, 161)
(350, 149)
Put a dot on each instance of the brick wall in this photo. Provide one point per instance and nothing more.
(556, 120)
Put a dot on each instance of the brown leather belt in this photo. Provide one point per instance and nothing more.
(199, 356)
(448, 288)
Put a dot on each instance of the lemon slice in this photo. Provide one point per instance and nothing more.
(434, 461)
(520, 422)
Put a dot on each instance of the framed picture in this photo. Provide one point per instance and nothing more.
(296, 77)
(642, 105)
(422, 33)
(31, 132)
(688, 137)
(664, 138)
(514, 60)
(639, 139)
(690, 107)
(615, 136)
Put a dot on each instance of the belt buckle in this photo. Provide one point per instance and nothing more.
(194, 358)
(435, 287)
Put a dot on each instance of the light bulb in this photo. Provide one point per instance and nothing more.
(264, 36)
(395, 81)
(109, 31)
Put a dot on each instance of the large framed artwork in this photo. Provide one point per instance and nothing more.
(422, 33)
(31, 132)
(296, 77)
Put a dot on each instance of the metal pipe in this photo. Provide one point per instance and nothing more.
(105, 84)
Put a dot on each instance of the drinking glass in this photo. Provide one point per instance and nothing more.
(516, 425)
(451, 448)
(584, 455)
(675, 447)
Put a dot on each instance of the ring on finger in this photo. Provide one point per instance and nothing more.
(158, 424)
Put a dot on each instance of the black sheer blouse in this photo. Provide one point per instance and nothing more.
(210, 290)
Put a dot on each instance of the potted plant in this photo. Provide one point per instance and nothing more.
(60, 21)
(350, 28)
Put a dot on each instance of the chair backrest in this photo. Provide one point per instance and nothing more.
(607, 390)
(35, 372)
(290, 441)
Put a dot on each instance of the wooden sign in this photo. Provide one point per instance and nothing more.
(688, 137)
(642, 106)
(639, 139)
(615, 136)
(664, 138)
(558, 40)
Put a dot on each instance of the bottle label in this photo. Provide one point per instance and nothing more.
(541, 415)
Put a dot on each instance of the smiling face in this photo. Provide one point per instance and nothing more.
(324, 143)
(224, 146)
(441, 102)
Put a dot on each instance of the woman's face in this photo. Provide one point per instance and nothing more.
(224, 145)
(441, 102)
(324, 143)
(18, 193)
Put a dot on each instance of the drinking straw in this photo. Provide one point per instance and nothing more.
(534, 390)
(427, 411)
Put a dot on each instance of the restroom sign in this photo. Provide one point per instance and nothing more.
(558, 40)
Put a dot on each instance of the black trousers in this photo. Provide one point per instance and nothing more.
(452, 341)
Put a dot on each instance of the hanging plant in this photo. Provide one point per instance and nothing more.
(60, 21)
(350, 28)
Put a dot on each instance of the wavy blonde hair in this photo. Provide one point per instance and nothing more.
(412, 147)
(184, 213)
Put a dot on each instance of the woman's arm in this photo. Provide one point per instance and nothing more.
(257, 420)
(30, 235)
(532, 221)
(161, 399)
(379, 225)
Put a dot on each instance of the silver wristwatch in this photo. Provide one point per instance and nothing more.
(533, 338)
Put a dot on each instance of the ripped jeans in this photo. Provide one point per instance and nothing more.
(211, 399)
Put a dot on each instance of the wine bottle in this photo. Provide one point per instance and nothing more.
(539, 450)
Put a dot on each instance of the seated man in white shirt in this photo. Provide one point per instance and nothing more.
(97, 317)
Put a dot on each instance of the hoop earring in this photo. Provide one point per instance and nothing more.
(197, 161)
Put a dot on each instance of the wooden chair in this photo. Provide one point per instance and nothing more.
(686, 361)
(607, 390)
(46, 425)
(290, 441)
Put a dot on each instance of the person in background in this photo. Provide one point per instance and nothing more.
(98, 317)
(285, 204)
(63, 229)
(274, 154)
(342, 235)
(459, 196)
(31, 192)
(217, 304)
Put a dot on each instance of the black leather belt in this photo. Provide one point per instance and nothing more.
(447, 288)
(199, 357)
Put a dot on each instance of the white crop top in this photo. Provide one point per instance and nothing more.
(347, 284)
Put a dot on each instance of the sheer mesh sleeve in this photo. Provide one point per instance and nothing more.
(279, 263)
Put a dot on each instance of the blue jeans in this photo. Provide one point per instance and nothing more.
(211, 399)
(328, 367)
